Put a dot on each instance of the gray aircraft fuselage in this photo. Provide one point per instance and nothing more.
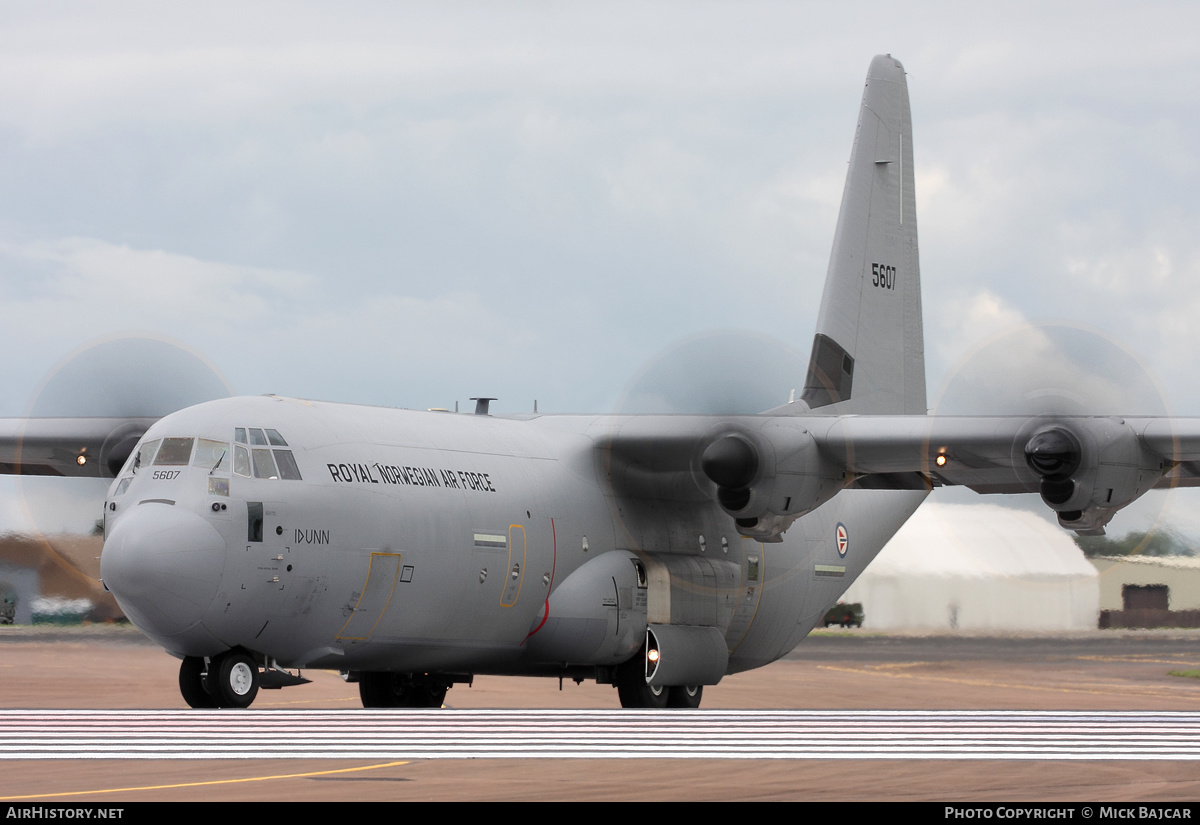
(432, 541)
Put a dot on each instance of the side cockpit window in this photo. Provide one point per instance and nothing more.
(241, 460)
(287, 465)
(145, 456)
(264, 458)
(264, 465)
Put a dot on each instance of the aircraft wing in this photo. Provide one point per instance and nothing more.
(80, 447)
(989, 454)
(1085, 467)
(766, 471)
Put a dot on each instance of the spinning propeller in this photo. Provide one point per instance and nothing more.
(125, 377)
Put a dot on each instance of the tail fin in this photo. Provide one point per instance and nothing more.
(869, 353)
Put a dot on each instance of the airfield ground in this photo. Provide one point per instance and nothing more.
(113, 667)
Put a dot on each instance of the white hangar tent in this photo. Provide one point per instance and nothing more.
(978, 567)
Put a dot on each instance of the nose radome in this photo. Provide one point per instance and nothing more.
(163, 565)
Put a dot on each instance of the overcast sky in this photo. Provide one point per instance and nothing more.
(411, 204)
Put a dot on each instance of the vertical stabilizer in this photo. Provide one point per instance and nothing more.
(869, 354)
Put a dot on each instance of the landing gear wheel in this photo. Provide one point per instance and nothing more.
(632, 688)
(426, 696)
(382, 690)
(237, 679)
(685, 696)
(399, 690)
(191, 683)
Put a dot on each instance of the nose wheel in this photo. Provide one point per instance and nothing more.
(229, 681)
(192, 683)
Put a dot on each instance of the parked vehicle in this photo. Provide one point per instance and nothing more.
(845, 615)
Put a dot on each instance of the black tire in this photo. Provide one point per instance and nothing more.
(191, 683)
(685, 696)
(399, 690)
(426, 696)
(236, 679)
(635, 694)
(382, 690)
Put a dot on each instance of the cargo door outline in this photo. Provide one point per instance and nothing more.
(515, 572)
(382, 574)
(753, 569)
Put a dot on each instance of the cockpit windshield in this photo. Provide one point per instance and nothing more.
(174, 452)
(212, 455)
(269, 459)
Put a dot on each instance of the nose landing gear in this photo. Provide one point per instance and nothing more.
(230, 680)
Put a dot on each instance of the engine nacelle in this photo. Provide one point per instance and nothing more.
(1089, 469)
(768, 477)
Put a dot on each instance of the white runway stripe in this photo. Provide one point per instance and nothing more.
(427, 734)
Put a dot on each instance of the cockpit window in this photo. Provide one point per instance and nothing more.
(287, 465)
(146, 454)
(174, 451)
(241, 460)
(211, 455)
(122, 487)
(264, 465)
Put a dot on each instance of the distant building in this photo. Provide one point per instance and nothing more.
(978, 567)
(1149, 591)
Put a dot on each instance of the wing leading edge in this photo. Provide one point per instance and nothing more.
(78, 447)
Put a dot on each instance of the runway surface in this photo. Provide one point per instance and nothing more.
(447, 734)
(1090, 686)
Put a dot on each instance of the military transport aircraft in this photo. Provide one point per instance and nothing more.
(254, 537)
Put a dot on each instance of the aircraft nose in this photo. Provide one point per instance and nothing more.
(163, 565)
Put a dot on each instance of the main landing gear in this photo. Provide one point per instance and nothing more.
(230, 680)
(402, 690)
(636, 694)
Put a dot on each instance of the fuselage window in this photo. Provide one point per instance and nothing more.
(146, 454)
(276, 439)
(212, 455)
(287, 465)
(239, 435)
(264, 465)
(254, 521)
(257, 439)
(241, 460)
